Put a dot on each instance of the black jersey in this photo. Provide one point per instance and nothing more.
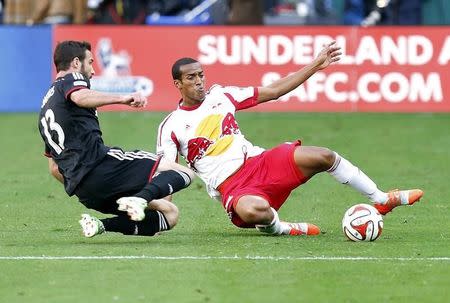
(71, 133)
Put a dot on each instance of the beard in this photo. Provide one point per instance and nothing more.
(84, 72)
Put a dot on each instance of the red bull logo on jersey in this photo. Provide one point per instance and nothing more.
(197, 148)
(213, 136)
(229, 125)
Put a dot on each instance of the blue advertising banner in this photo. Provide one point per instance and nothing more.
(26, 68)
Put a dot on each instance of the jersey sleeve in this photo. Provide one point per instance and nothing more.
(242, 97)
(167, 144)
(73, 82)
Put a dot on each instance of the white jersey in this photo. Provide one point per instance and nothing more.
(208, 136)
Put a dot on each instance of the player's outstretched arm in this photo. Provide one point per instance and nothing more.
(90, 99)
(329, 54)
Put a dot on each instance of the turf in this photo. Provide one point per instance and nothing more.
(206, 259)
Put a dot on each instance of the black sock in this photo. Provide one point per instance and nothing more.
(120, 224)
(164, 184)
(153, 222)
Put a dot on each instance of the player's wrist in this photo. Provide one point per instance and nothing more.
(124, 99)
(315, 65)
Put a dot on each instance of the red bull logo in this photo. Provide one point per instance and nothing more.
(214, 135)
(197, 148)
(229, 125)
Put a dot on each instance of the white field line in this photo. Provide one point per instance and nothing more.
(262, 258)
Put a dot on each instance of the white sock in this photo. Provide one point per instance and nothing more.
(346, 173)
(274, 228)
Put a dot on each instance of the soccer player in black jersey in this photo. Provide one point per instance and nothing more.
(129, 185)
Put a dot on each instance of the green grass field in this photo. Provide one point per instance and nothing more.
(205, 258)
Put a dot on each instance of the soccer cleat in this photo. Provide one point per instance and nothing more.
(91, 226)
(399, 197)
(300, 229)
(134, 206)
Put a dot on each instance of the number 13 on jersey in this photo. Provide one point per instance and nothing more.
(48, 123)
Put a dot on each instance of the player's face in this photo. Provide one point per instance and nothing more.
(87, 68)
(192, 83)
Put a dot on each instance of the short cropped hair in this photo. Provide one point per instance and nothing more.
(176, 73)
(66, 51)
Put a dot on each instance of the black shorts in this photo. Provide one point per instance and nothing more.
(120, 174)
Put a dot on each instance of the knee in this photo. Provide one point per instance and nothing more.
(172, 214)
(255, 211)
(312, 159)
(168, 209)
(327, 157)
(321, 159)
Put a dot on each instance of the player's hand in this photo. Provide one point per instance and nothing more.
(135, 100)
(329, 54)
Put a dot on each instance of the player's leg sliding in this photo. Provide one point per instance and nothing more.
(346, 173)
(162, 185)
(154, 222)
(277, 227)
(91, 226)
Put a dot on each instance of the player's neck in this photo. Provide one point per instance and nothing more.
(190, 103)
(62, 73)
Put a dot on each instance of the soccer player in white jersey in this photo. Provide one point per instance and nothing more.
(251, 182)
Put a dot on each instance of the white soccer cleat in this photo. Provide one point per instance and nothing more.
(91, 226)
(134, 206)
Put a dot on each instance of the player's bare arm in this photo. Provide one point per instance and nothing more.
(91, 99)
(329, 54)
(54, 171)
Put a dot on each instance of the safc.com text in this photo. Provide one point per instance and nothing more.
(370, 87)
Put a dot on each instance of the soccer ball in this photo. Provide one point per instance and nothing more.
(362, 222)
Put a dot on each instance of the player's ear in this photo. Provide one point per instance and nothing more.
(177, 83)
(76, 63)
